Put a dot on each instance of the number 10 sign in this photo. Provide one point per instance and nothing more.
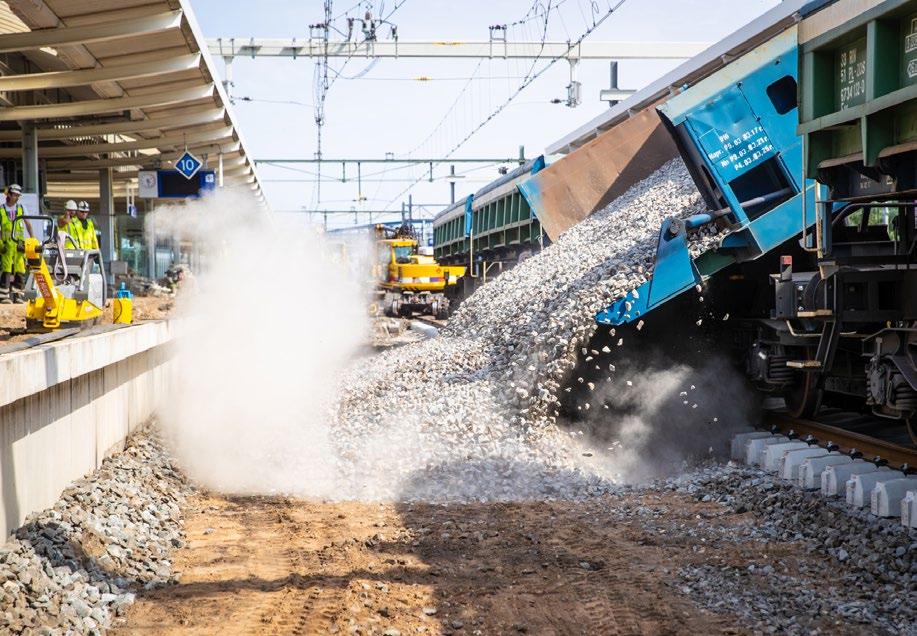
(188, 165)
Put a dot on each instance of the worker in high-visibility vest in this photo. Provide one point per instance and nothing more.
(82, 229)
(63, 221)
(12, 252)
(63, 225)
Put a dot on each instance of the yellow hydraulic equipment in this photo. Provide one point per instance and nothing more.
(69, 293)
(411, 281)
(122, 309)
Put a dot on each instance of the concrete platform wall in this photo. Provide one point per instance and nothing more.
(65, 406)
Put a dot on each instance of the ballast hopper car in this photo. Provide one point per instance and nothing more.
(804, 152)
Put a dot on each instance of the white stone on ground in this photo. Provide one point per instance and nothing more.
(72, 568)
(469, 415)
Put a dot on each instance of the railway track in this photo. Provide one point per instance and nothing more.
(428, 320)
(884, 439)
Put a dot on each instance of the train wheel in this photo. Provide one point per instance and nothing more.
(804, 397)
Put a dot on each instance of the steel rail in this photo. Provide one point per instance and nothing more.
(847, 440)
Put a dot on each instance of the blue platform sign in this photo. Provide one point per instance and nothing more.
(188, 165)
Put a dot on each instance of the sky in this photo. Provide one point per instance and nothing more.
(377, 107)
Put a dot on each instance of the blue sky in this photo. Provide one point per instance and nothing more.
(387, 111)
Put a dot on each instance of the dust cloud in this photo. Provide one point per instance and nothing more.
(276, 312)
(278, 316)
(663, 416)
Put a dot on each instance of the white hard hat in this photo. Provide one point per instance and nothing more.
(70, 205)
(83, 206)
(14, 188)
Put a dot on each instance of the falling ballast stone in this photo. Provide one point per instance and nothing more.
(859, 487)
(886, 497)
(810, 471)
(834, 478)
(792, 459)
(452, 425)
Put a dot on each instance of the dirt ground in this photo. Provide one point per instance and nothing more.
(12, 317)
(278, 566)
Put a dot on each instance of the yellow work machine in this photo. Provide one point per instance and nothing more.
(66, 285)
(411, 281)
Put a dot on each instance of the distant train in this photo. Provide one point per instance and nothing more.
(490, 230)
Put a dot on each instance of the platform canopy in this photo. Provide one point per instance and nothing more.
(94, 85)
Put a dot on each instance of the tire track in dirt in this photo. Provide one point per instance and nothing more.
(276, 566)
(287, 612)
(307, 605)
(238, 548)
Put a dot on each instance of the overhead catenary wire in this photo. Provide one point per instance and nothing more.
(473, 109)
(544, 37)
(347, 11)
(527, 82)
(384, 19)
(461, 115)
(449, 111)
(358, 75)
(273, 101)
(563, 23)
(371, 177)
(536, 10)
(365, 177)
(323, 85)
(328, 179)
(429, 78)
(533, 14)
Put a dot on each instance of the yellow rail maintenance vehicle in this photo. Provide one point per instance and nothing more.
(66, 286)
(410, 279)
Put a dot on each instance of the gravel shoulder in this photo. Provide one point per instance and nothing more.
(134, 549)
(275, 566)
(70, 569)
(676, 557)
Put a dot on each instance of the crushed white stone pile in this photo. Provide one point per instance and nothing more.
(75, 566)
(469, 415)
